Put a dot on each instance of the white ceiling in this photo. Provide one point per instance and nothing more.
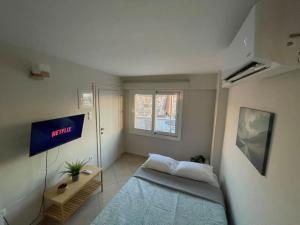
(127, 37)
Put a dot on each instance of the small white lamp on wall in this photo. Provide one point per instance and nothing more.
(40, 71)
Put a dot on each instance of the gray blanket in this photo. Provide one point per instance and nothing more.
(196, 188)
(142, 202)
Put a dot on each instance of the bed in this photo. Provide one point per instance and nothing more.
(154, 198)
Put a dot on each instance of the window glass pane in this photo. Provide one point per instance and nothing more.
(143, 112)
(166, 113)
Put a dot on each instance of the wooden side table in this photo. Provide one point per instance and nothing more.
(64, 205)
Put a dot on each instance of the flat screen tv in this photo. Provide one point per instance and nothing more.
(52, 133)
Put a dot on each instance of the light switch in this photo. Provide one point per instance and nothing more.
(90, 115)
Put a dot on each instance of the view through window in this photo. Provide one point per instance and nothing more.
(143, 112)
(165, 113)
(165, 107)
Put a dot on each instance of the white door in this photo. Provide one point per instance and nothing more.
(111, 126)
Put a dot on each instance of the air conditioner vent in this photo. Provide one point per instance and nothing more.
(246, 71)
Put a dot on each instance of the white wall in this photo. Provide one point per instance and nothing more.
(219, 126)
(273, 199)
(191, 81)
(197, 125)
(23, 100)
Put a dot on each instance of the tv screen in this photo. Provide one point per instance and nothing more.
(51, 133)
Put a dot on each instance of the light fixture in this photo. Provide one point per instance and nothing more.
(40, 71)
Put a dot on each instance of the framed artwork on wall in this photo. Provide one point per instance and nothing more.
(85, 99)
(254, 136)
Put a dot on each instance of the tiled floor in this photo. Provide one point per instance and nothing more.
(114, 178)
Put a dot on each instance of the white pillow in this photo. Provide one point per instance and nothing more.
(196, 171)
(161, 163)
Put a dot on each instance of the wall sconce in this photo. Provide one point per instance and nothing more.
(40, 71)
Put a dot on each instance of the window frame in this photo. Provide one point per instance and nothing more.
(152, 132)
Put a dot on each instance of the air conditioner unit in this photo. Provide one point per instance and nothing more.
(267, 44)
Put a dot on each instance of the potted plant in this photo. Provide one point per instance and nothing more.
(73, 169)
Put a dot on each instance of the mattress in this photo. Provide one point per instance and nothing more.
(145, 200)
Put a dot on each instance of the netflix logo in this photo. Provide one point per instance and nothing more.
(61, 131)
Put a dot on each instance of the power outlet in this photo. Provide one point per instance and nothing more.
(3, 212)
(91, 157)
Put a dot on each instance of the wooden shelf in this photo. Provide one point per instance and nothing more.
(66, 204)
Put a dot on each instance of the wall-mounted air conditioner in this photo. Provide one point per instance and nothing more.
(267, 44)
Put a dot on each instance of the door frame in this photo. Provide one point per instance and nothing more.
(96, 90)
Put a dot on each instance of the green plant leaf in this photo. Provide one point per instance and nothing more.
(74, 167)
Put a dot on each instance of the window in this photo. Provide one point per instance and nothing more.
(143, 112)
(156, 113)
(165, 113)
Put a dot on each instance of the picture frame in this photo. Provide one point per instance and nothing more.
(85, 99)
(254, 133)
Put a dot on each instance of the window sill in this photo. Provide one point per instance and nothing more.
(153, 135)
